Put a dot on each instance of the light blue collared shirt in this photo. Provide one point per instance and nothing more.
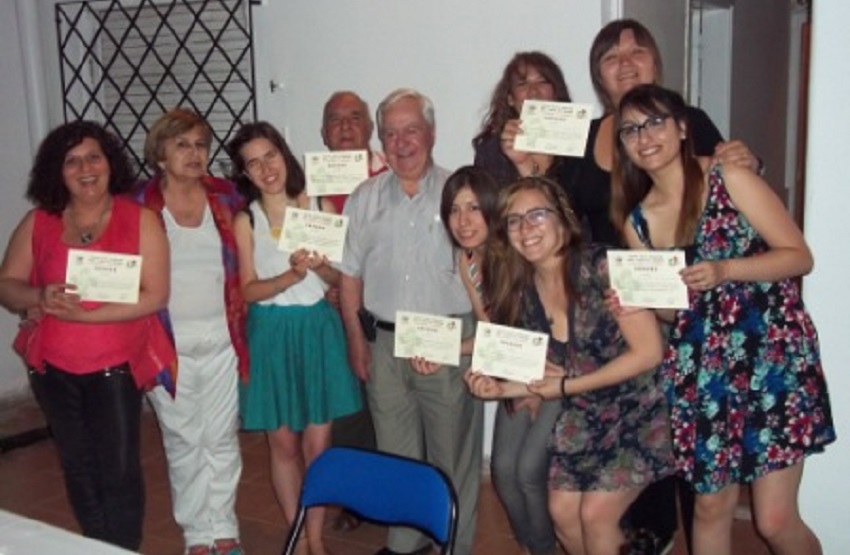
(398, 246)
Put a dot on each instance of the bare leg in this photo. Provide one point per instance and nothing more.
(287, 469)
(601, 512)
(713, 521)
(777, 513)
(564, 508)
(317, 438)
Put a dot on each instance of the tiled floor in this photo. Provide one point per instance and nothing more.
(31, 485)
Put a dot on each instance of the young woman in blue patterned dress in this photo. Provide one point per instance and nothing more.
(611, 438)
(743, 374)
(300, 379)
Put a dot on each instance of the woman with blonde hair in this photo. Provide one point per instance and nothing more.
(200, 424)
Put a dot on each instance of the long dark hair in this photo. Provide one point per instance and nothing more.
(295, 181)
(630, 184)
(500, 109)
(46, 188)
(482, 185)
(516, 273)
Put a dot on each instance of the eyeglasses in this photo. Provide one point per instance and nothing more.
(630, 132)
(256, 165)
(533, 218)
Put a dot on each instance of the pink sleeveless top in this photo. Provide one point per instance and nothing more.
(81, 348)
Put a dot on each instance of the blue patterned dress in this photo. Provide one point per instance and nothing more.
(742, 372)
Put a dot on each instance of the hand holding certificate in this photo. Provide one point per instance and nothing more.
(558, 128)
(315, 231)
(511, 353)
(335, 173)
(648, 279)
(434, 338)
(104, 276)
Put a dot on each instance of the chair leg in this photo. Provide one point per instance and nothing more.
(295, 531)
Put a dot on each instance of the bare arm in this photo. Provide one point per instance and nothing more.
(351, 301)
(788, 256)
(487, 387)
(253, 288)
(644, 351)
(16, 294)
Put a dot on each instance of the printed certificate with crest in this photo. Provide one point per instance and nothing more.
(104, 276)
(335, 173)
(648, 279)
(434, 338)
(314, 231)
(511, 353)
(558, 128)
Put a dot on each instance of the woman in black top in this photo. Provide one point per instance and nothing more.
(533, 76)
(624, 55)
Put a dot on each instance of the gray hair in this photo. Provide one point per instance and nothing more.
(426, 106)
(340, 94)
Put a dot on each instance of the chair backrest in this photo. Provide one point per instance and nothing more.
(386, 488)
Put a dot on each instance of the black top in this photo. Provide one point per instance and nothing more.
(592, 195)
(489, 156)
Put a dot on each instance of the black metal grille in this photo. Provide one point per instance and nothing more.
(125, 65)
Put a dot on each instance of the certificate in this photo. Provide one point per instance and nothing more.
(314, 231)
(335, 173)
(648, 279)
(434, 338)
(511, 353)
(104, 276)
(558, 128)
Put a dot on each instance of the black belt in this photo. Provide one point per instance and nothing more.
(386, 326)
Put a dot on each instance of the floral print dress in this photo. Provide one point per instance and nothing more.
(613, 438)
(742, 372)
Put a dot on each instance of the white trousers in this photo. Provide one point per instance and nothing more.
(199, 431)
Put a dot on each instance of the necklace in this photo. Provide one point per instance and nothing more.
(87, 236)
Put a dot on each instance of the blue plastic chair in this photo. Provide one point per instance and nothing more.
(382, 488)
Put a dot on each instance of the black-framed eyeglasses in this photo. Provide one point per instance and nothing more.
(653, 125)
(532, 218)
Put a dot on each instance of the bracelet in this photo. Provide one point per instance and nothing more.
(564, 386)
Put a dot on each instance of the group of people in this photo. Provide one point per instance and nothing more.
(229, 332)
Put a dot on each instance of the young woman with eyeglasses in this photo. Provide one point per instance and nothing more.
(611, 437)
(742, 371)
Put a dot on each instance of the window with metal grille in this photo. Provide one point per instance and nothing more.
(125, 64)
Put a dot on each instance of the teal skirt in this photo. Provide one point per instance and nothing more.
(299, 368)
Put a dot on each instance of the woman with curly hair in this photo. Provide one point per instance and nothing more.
(88, 359)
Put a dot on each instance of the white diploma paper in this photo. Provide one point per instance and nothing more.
(648, 279)
(314, 231)
(558, 128)
(335, 173)
(434, 338)
(104, 276)
(511, 353)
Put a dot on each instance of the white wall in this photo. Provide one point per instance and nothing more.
(454, 52)
(15, 153)
(826, 484)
